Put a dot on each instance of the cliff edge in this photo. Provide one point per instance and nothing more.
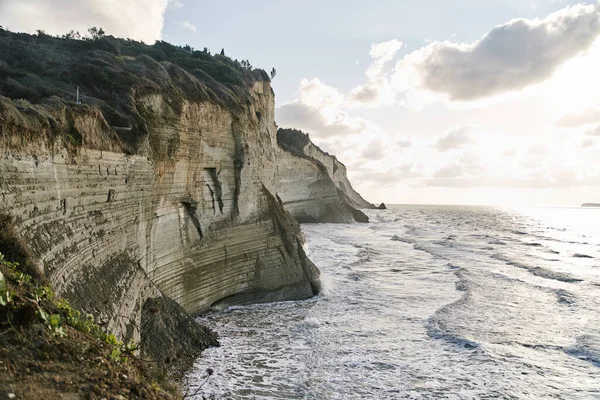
(156, 195)
(324, 196)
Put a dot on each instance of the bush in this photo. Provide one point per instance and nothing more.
(111, 72)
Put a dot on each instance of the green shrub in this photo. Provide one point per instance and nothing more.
(6, 294)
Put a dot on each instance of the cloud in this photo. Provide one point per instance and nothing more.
(537, 150)
(594, 131)
(378, 91)
(450, 171)
(585, 117)
(467, 165)
(301, 116)
(382, 53)
(556, 177)
(586, 143)
(392, 176)
(456, 138)
(373, 94)
(403, 143)
(468, 158)
(189, 26)
(317, 95)
(135, 19)
(175, 4)
(320, 110)
(375, 150)
(510, 57)
(529, 163)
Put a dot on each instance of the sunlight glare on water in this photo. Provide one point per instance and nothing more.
(427, 302)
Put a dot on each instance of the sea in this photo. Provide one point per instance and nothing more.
(425, 302)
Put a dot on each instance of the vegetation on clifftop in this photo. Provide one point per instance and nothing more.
(112, 73)
(294, 141)
(35, 67)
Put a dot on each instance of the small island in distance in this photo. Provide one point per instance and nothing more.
(590, 205)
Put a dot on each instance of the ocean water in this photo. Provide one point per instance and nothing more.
(426, 302)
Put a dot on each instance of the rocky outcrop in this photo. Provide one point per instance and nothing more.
(313, 185)
(163, 191)
(382, 206)
(358, 215)
(191, 217)
(307, 191)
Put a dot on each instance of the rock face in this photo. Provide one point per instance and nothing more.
(313, 185)
(163, 194)
(191, 216)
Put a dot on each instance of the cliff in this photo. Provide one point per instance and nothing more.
(156, 197)
(326, 194)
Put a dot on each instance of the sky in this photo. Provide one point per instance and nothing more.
(435, 102)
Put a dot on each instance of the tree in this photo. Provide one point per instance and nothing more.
(222, 52)
(273, 73)
(96, 33)
(72, 35)
(41, 32)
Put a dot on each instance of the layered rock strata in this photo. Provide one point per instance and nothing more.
(191, 216)
(314, 186)
(162, 193)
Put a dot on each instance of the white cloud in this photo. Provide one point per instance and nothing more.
(317, 95)
(175, 4)
(510, 57)
(391, 176)
(594, 131)
(377, 92)
(585, 117)
(381, 53)
(469, 158)
(373, 94)
(537, 150)
(450, 171)
(587, 143)
(404, 143)
(376, 149)
(552, 177)
(135, 19)
(456, 138)
(189, 26)
(320, 110)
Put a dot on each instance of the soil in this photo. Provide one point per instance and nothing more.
(36, 363)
